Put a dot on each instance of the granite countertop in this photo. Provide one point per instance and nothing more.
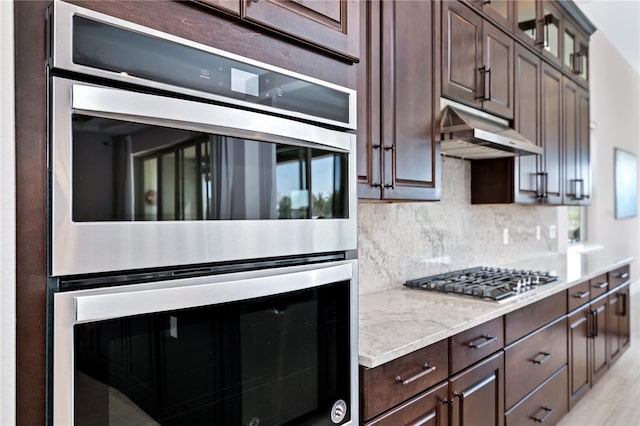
(396, 322)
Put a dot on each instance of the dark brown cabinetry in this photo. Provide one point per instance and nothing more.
(331, 25)
(577, 185)
(598, 328)
(468, 39)
(575, 48)
(399, 157)
(428, 409)
(499, 10)
(478, 394)
(388, 385)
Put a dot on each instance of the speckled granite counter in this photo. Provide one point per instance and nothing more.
(393, 323)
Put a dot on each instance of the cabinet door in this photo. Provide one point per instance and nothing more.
(411, 157)
(498, 72)
(369, 159)
(427, 409)
(572, 184)
(551, 30)
(579, 356)
(584, 147)
(600, 362)
(500, 10)
(329, 24)
(618, 323)
(526, 21)
(551, 97)
(527, 121)
(461, 54)
(478, 394)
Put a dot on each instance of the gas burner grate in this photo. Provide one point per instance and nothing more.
(484, 282)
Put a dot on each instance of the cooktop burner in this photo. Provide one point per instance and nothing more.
(485, 282)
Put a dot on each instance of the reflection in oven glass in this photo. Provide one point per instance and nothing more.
(124, 171)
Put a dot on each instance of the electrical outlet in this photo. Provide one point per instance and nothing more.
(505, 236)
(552, 232)
(538, 232)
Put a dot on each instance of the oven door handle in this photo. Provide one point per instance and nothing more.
(107, 102)
(137, 299)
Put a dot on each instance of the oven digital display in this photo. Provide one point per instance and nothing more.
(245, 82)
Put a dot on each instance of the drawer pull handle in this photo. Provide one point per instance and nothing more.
(623, 275)
(484, 341)
(548, 412)
(582, 294)
(600, 285)
(545, 357)
(427, 369)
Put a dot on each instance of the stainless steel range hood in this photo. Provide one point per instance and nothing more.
(474, 136)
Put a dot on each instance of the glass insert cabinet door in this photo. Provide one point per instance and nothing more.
(275, 360)
(126, 171)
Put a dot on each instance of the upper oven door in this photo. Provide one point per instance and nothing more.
(142, 181)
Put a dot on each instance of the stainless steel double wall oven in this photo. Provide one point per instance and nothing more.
(202, 234)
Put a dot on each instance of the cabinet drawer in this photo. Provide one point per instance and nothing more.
(619, 276)
(599, 286)
(523, 321)
(390, 384)
(546, 405)
(531, 361)
(426, 409)
(472, 345)
(578, 295)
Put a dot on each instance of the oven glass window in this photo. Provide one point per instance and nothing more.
(278, 360)
(124, 171)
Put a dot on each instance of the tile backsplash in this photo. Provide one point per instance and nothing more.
(399, 241)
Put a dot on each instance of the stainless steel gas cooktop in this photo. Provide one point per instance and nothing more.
(484, 282)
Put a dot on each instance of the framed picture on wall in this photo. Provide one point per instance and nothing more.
(626, 184)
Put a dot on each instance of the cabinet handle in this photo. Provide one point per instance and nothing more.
(600, 285)
(624, 305)
(594, 323)
(486, 2)
(545, 357)
(539, 38)
(548, 411)
(578, 195)
(582, 294)
(483, 75)
(541, 184)
(389, 149)
(576, 62)
(376, 146)
(487, 77)
(482, 342)
(427, 369)
(623, 275)
(376, 185)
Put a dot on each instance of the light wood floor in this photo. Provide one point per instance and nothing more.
(615, 399)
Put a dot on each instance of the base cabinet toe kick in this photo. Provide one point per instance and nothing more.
(530, 366)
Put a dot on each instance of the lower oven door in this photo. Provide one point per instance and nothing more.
(261, 348)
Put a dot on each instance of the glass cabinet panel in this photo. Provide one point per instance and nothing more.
(501, 7)
(551, 30)
(569, 48)
(584, 61)
(526, 15)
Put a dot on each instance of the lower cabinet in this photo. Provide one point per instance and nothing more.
(546, 404)
(618, 322)
(478, 394)
(427, 409)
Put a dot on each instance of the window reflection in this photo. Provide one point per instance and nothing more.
(128, 171)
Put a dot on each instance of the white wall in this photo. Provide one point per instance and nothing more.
(7, 218)
(615, 117)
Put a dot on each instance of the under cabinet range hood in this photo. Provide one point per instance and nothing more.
(475, 137)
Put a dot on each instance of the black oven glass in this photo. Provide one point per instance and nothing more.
(126, 171)
(278, 360)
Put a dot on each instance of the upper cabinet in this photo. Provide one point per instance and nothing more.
(477, 61)
(499, 10)
(398, 153)
(575, 55)
(331, 25)
(538, 23)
